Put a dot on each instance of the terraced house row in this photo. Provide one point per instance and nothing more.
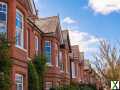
(34, 35)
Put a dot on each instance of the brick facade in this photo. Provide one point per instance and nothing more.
(48, 29)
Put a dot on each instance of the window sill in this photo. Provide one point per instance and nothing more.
(73, 76)
(29, 59)
(49, 65)
(61, 71)
(21, 48)
(58, 66)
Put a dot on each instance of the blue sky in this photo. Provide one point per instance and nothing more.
(87, 20)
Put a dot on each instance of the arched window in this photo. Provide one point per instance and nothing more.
(3, 17)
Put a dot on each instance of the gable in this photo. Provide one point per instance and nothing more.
(59, 35)
(48, 24)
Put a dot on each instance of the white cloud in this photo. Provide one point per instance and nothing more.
(87, 43)
(104, 6)
(69, 20)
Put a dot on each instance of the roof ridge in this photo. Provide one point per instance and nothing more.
(50, 17)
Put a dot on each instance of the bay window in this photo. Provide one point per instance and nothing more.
(19, 81)
(36, 45)
(19, 29)
(3, 17)
(47, 51)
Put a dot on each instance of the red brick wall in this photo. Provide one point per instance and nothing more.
(20, 56)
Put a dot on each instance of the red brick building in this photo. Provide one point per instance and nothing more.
(32, 36)
(56, 46)
(75, 64)
(15, 22)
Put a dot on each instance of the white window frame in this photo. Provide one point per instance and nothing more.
(36, 44)
(60, 60)
(3, 3)
(17, 83)
(73, 70)
(48, 85)
(22, 31)
(57, 55)
(47, 41)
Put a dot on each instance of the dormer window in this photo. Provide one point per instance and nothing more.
(3, 17)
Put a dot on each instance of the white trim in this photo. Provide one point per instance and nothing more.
(19, 75)
(36, 44)
(73, 70)
(21, 48)
(29, 59)
(61, 71)
(49, 64)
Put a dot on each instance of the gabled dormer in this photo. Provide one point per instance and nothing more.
(51, 27)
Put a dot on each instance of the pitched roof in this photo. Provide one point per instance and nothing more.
(48, 25)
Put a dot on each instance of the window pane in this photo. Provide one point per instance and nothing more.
(18, 38)
(3, 18)
(19, 29)
(18, 24)
(19, 82)
(2, 29)
(4, 6)
(47, 50)
(48, 56)
(47, 43)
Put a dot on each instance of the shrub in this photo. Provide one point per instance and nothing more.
(76, 87)
(87, 87)
(33, 78)
(40, 65)
(5, 64)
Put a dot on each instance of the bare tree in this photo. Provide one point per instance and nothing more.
(107, 61)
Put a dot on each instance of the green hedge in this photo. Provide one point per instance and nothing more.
(76, 87)
(87, 87)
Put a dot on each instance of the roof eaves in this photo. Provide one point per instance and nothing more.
(35, 25)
